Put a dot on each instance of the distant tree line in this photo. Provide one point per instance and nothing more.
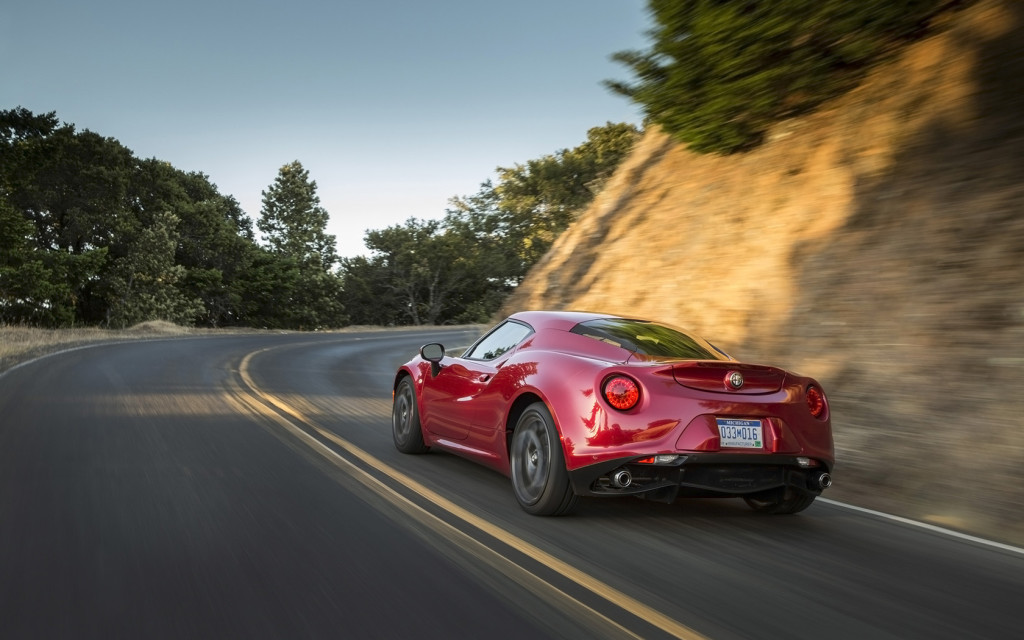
(92, 235)
(719, 73)
(461, 268)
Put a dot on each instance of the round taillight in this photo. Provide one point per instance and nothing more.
(621, 392)
(815, 401)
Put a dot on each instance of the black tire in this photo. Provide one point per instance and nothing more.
(783, 502)
(405, 420)
(539, 477)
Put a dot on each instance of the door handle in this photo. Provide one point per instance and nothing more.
(485, 377)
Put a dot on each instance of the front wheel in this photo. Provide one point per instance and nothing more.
(539, 477)
(782, 502)
(405, 420)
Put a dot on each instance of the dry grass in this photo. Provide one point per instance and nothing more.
(20, 344)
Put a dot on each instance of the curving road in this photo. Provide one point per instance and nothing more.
(246, 486)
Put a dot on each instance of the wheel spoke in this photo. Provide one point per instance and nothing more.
(532, 458)
(405, 423)
(540, 483)
(401, 415)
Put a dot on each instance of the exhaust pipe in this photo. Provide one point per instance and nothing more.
(824, 481)
(622, 479)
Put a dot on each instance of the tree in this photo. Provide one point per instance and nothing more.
(91, 234)
(20, 124)
(518, 219)
(293, 222)
(27, 292)
(279, 293)
(142, 284)
(71, 187)
(720, 72)
(370, 297)
(541, 198)
(214, 237)
(424, 265)
(301, 256)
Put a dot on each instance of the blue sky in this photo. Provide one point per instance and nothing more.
(393, 107)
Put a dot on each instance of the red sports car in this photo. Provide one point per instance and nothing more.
(580, 404)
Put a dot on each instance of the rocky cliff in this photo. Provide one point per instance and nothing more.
(877, 245)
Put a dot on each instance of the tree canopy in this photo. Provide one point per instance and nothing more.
(307, 294)
(91, 234)
(720, 72)
(292, 221)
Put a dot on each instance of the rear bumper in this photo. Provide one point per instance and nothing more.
(700, 475)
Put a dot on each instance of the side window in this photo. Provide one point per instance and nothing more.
(503, 338)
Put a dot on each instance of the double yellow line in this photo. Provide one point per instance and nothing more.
(266, 404)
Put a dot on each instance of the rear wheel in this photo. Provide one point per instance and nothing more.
(781, 502)
(539, 477)
(405, 420)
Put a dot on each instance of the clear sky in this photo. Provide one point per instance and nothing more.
(393, 106)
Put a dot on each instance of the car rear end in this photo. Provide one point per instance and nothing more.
(703, 429)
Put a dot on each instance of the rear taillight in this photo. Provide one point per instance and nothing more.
(621, 392)
(815, 401)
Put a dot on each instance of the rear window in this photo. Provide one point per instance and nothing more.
(656, 341)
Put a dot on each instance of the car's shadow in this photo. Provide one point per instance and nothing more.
(493, 492)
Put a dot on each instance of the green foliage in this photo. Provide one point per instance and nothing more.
(91, 234)
(292, 221)
(719, 73)
(538, 200)
(306, 294)
(280, 293)
(214, 238)
(461, 269)
(71, 188)
(27, 292)
(72, 278)
(516, 220)
(91, 206)
(418, 268)
(71, 185)
(142, 284)
(371, 295)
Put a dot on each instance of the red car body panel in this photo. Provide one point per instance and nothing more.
(470, 406)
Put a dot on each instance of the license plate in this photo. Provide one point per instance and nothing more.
(743, 434)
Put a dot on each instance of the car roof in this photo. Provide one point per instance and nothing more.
(563, 320)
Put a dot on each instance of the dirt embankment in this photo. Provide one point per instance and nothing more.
(877, 245)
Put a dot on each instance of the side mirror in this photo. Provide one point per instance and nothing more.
(433, 353)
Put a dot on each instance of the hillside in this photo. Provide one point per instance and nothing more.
(877, 245)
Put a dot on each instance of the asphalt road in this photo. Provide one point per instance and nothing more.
(247, 487)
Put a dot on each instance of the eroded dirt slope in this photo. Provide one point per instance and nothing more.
(877, 245)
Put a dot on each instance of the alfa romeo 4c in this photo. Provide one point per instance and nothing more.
(579, 404)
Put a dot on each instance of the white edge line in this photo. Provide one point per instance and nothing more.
(100, 343)
(930, 527)
(91, 345)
